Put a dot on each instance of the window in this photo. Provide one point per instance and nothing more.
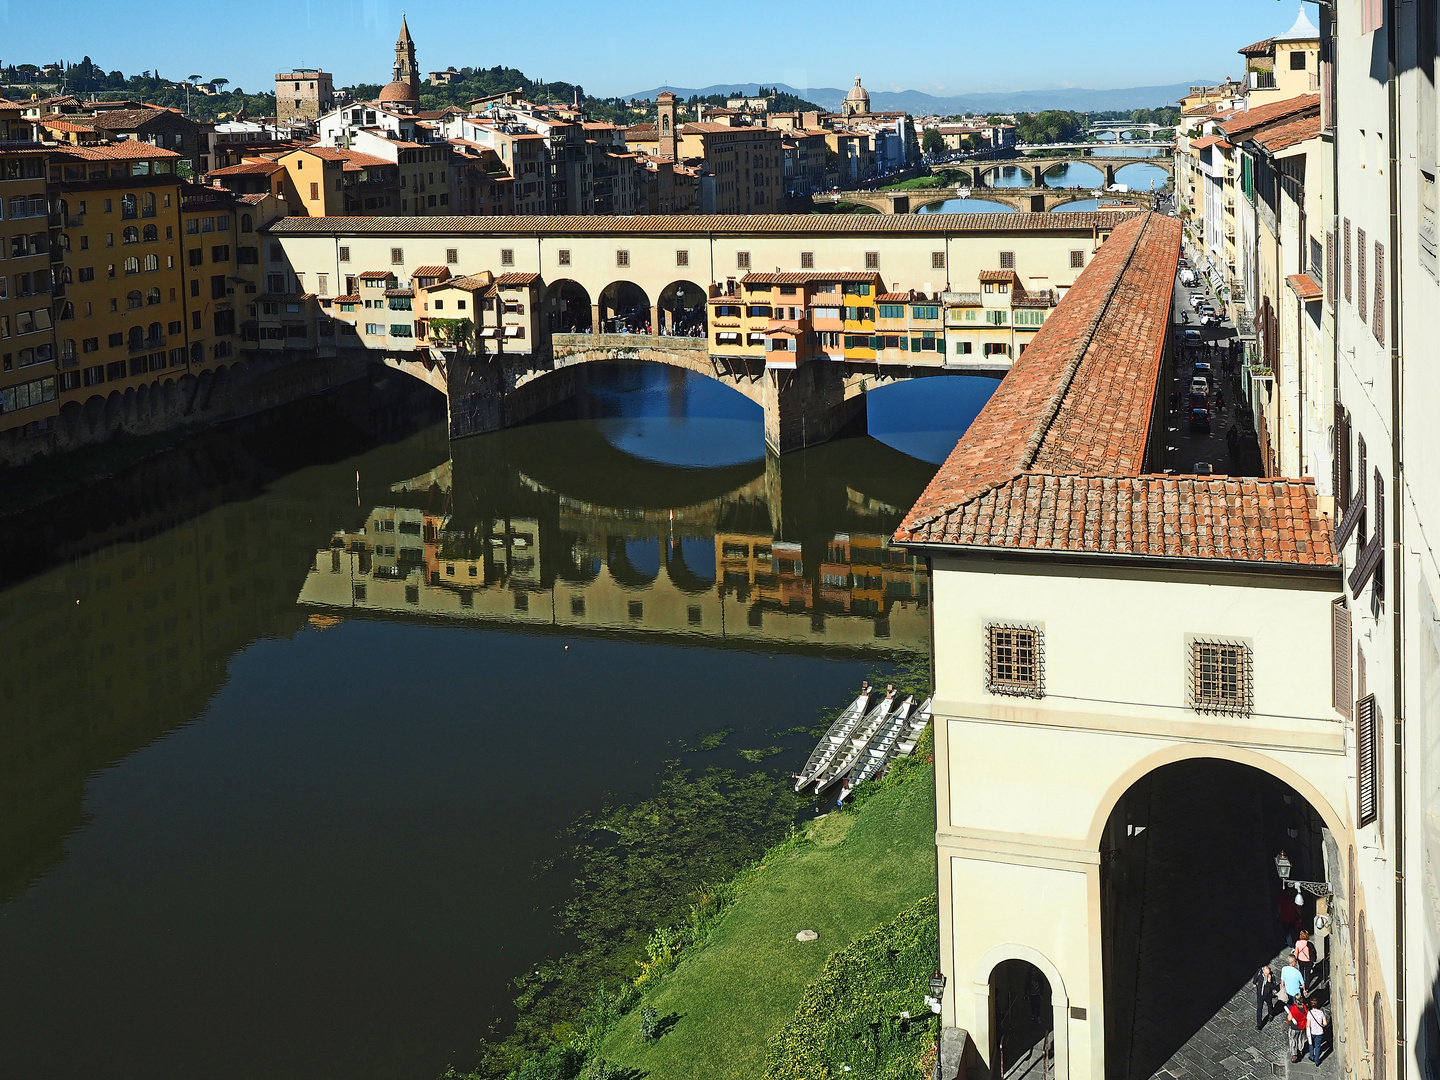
(314, 191)
(152, 297)
(133, 300)
(872, 260)
(217, 287)
(452, 256)
(1367, 760)
(892, 311)
(1077, 259)
(196, 256)
(682, 258)
(1360, 275)
(220, 253)
(130, 235)
(1220, 677)
(1340, 657)
(1297, 59)
(128, 207)
(622, 258)
(397, 256)
(742, 260)
(1377, 321)
(152, 263)
(1014, 661)
(1330, 268)
(1007, 260)
(807, 260)
(564, 257)
(344, 254)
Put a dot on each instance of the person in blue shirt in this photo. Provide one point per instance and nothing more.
(1292, 983)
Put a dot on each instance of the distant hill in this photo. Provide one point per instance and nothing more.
(922, 104)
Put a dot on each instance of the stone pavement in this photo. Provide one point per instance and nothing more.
(1229, 1047)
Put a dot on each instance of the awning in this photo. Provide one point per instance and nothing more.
(514, 331)
(489, 332)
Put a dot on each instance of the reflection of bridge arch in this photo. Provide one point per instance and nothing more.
(568, 306)
(576, 565)
(983, 173)
(623, 306)
(618, 557)
(680, 552)
(682, 308)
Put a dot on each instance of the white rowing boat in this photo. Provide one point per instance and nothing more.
(834, 739)
(858, 743)
(879, 751)
(918, 722)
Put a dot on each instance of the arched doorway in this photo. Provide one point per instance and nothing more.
(1022, 1025)
(1192, 905)
(682, 310)
(624, 309)
(567, 306)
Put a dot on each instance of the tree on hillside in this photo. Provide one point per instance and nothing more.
(1051, 126)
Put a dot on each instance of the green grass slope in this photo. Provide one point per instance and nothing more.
(852, 872)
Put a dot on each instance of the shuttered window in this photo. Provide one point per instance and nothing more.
(1377, 322)
(1367, 793)
(1340, 460)
(1360, 281)
(1340, 657)
(1348, 296)
(1330, 268)
(1370, 561)
(1372, 15)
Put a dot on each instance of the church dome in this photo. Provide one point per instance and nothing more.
(858, 93)
(399, 91)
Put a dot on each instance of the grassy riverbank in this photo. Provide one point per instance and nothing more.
(843, 876)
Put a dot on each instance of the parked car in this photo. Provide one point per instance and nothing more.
(1201, 370)
(1199, 385)
(1199, 412)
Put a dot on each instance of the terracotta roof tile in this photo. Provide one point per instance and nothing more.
(375, 275)
(126, 150)
(517, 278)
(1305, 287)
(1277, 137)
(1238, 126)
(1056, 461)
(430, 271)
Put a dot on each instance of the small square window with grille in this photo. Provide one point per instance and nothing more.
(872, 260)
(452, 256)
(622, 258)
(937, 260)
(397, 256)
(344, 254)
(1077, 260)
(742, 260)
(1220, 677)
(564, 256)
(807, 260)
(507, 256)
(1014, 660)
(1007, 260)
(682, 258)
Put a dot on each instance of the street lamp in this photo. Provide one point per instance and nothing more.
(937, 994)
(1314, 888)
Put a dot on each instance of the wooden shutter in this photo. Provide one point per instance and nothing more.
(1360, 280)
(1348, 294)
(1372, 15)
(1330, 268)
(1366, 795)
(1370, 559)
(1340, 657)
(1378, 315)
(1340, 460)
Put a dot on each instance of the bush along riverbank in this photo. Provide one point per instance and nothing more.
(685, 960)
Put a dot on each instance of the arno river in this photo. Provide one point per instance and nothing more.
(295, 718)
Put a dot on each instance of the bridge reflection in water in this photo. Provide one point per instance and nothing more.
(526, 535)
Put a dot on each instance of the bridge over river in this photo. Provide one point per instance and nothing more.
(589, 269)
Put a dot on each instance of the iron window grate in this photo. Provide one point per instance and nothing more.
(1015, 660)
(1221, 679)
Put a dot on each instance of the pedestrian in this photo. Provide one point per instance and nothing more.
(1220, 398)
(1292, 983)
(1305, 955)
(1315, 1023)
(1289, 917)
(1034, 992)
(1264, 983)
(1298, 1028)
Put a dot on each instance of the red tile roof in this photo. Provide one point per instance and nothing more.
(1240, 125)
(430, 271)
(1305, 287)
(127, 150)
(250, 168)
(375, 275)
(1279, 137)
(517, 278)
(1056, 461)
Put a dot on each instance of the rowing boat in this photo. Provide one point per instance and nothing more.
(830, 744)
(906, 746)
(879, 751)
(857, 744)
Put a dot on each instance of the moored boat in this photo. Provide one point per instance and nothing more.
(880, 750)
(834, 739)
(859, 742)
(906, 746)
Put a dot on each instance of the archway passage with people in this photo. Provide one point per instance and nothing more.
(1192, 906)
(624, 308)
(682, 310)
(568, 306)
(1022, 1025)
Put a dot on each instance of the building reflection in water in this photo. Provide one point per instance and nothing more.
(717, 569)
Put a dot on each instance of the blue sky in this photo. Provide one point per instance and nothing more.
(620, 46)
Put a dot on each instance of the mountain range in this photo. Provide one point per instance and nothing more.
(919, 103)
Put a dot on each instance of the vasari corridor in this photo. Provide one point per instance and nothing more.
(526, 554)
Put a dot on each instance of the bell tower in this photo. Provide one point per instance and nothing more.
(665, 124)
(406, 70)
